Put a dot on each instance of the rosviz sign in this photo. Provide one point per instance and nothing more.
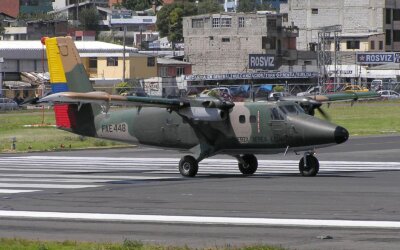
(262, 61)
(378, 58)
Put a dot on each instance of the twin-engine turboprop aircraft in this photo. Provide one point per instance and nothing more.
(206, 126)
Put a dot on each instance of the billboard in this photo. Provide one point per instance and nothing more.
(377, 58)
(262, 61)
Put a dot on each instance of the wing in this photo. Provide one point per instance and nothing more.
(201, 109)
(346, 96)
(103, 98)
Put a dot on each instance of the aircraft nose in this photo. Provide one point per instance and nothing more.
(341, 134)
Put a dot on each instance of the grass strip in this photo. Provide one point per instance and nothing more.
(22, 244)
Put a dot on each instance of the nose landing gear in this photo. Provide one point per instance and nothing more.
(309, 165)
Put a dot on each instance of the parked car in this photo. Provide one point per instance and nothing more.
(354, 88)
(388, 94)
(316, 90)
(7, 104)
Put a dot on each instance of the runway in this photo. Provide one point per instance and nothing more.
(138, 194)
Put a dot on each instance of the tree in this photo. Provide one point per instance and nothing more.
(209, 6)
(89, 19)
(169, 19)
(139, 5)
(253, 5)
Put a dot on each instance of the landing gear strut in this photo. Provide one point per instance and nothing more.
(247, 164)
(309, 165)
(188, 166)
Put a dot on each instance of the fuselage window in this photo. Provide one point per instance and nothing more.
(242, 119)
(253, 119)
(276, 115)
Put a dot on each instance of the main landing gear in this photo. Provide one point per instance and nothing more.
(309, 165)
(247, 164)
(188, 165)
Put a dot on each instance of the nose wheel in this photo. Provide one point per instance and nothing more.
(247, 164)
(188, 166)
(309, 165)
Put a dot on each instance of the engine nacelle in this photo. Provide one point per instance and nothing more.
(204, 114)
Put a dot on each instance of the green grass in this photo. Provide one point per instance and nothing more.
(21, 244)
(41, 138)
(366, 118)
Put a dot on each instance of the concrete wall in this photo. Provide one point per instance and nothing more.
(215, 50)
(356, 16)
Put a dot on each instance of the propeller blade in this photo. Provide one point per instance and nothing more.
(324, 114)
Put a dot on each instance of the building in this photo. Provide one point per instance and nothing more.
(173, 68)
(103, 61)
(222, 43)
(360, 20)
(10, 7)
(35, 6)
(34, 30)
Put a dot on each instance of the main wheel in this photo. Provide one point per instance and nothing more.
(250, 164)
(312, 167)
(188, 166)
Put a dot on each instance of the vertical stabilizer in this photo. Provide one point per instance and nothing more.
(67, 74)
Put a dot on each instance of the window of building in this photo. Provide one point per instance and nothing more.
(29, 3)
(163, 71)
(388, 37)
(241, 22)
(271, 23)
(396, 14)
(396, 35)
(253, 119)
(180, 71)
(112, 61)
(372, 45)
(211, 38)
(151, 61)
(314, 11)
(92, 62)
(285, 17)
(226, 39)
(268, 43)
(197, 23)
(388, 16)
(353, 44)
(226, 22)
(242, 118)
(380, 45)
(216, 22)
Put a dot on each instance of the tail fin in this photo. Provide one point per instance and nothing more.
(67, 73)
(65, 66)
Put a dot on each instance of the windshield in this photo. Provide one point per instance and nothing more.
(292, 109)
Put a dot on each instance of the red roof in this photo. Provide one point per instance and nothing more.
(168, 1)
(10, 7)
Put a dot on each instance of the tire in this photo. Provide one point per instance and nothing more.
(188, 166)
(312, 168)
(250, 166)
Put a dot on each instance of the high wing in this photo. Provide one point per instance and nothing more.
(312, 102)
(103, 98)
(193, 108)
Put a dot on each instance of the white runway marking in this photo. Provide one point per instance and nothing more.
(26, 174)
(202, 220)
(15, 191)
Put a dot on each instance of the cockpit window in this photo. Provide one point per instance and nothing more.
(276, 115)
(292, 109)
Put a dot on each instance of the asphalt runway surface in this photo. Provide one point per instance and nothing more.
(138, 194)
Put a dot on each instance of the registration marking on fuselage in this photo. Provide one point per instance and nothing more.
(200, 220)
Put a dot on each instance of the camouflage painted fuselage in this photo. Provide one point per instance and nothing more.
(250, 127)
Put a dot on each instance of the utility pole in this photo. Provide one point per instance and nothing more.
(123, 56)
